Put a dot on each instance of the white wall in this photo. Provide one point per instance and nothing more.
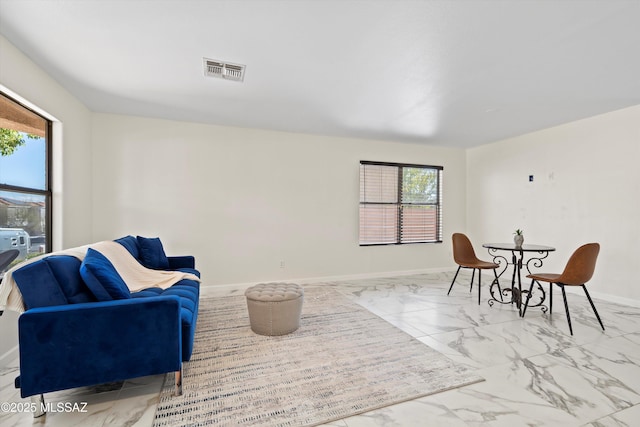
(244, 200)
(72, 150)
(586, 188)
(72, 157)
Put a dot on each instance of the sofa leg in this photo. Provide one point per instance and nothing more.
(178, 374)
(37, 405)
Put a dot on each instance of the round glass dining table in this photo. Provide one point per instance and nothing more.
(527, 256)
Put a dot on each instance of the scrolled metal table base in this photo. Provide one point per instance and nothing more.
(515, 294)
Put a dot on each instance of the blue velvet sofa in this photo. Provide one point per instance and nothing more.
(69, 337)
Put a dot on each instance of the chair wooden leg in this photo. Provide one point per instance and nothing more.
(178, 382)
(454, 279)
(593, 306)
(526, 304)
(566, 308)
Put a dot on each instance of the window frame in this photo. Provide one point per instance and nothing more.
(399, 203)
(47, 192)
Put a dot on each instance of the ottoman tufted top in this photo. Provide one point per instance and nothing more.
(274, 292)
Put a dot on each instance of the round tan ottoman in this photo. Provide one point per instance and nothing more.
(274, 308)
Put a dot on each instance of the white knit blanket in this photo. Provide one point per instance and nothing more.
(135, 275)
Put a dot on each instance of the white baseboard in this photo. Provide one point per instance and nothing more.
(309, 280)
(605, 297)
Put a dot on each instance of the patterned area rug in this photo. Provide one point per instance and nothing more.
(342, 361)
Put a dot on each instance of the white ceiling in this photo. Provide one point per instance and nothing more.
(458, 73)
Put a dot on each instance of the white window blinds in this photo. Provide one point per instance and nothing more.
(400, 203)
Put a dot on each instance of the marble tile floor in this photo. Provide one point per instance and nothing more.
(536, 374)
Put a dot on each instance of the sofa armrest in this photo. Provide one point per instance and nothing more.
(85, 344)
(186, 261)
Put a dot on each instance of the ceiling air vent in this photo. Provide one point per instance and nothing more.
(223, 70)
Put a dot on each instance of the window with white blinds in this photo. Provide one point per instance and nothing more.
(400, 203)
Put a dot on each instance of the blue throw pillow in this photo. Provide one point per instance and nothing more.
(102, 278)
(38, 285)
(152, 253)
(131, 244)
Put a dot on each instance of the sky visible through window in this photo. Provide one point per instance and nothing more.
(26, 166)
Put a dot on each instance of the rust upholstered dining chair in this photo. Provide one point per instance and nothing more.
(577, 272)
(465, 257)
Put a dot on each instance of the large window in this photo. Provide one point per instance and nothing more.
(25, 188)
(400, 203)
